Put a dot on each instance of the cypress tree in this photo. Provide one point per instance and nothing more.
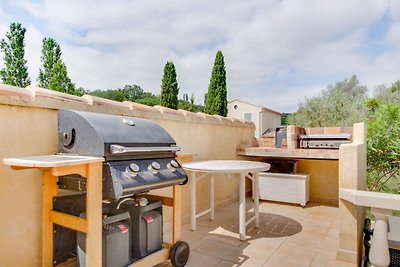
(51, 53)
(216, 97)
(169, 87)
(59, 80)
(53, 74)
(15, 72)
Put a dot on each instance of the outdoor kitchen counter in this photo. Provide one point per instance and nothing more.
(271, 152)
(48, 161)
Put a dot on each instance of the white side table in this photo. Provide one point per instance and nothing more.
(226, 166)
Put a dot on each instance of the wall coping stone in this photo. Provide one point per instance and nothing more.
(33, 96)
(8, 90)
(42, 92)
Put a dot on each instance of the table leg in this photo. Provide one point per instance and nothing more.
(242, 207)
(212, 197)
(256, 195)
(193, 201)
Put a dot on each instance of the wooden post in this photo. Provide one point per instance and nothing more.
(176, 230)
(49, 190)
(94, 214)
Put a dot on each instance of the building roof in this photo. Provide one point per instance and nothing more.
(261, 107)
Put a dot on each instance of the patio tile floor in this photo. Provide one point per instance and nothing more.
(288, 236)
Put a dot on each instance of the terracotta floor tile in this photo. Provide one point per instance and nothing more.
(223, 263)
(288, 236)
(222, 251)
(327, 259)
(195, 238)
(197, 259)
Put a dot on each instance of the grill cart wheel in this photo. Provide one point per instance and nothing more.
(179, 254)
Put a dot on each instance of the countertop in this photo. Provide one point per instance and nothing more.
(271, 152)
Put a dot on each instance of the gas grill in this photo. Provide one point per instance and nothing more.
(139, 155)
(324, 141)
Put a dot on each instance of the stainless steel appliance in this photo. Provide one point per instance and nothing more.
(139, 157)
(324, 141)
(139, 154)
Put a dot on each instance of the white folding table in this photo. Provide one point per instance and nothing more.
(244, 168)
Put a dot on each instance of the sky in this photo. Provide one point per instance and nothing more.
(277, 52)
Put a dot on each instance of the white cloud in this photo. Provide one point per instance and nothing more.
(267, 44)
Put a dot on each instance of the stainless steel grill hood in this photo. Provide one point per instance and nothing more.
(139, 154)
(93, 134)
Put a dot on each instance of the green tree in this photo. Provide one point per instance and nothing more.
(340, 105)
(59, 80)
(129, 92)
(383, 147)
(192, 105)
(53, 74)
(149, 99)
(284, 118)
(51, 53)
(15, 72)
(133, 92)
(216, 98)
(388, 94)
(169, 87)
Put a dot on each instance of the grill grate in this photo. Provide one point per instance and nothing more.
(74, 183)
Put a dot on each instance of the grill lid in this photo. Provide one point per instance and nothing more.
(94, 134)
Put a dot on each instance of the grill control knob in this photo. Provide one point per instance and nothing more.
(154, 167)
(133, 169)
(172, 165)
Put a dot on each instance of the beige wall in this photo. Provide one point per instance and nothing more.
(323, 179)
(28, 126)
(24, 131)
(352, 175)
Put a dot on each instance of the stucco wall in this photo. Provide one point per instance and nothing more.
(28, 126)
(352, 175)
(323, 179)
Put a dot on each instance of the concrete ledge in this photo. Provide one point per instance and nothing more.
(41, 92)
(94, 100)
(370, 199)
(8, 90)
(191, 116)
(34, 96)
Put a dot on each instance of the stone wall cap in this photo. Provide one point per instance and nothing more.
(138, 106)
(165, 110)
(192, 115)
(104, 101)
(9, 90)
(37, 97)
(38, 92)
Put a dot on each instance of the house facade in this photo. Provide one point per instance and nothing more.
(262, 117)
